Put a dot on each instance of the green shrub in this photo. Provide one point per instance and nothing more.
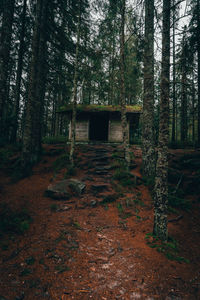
(5, 154)
(18, 172)
(170, 248)
(124, 177)
(176, 199)
(61, 162)
(118, 154)
(14, 221)
(54, 207)
(178, 203)
(54, 139)
(110, 198)
(71, 171)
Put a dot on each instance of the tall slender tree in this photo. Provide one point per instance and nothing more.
(198, 61)
(75, 82)
(148, 142)
(184, 71)
(34, 111)
(122, 87)
(19, 73)
(174, 77)
(161, 179)
(5, 44)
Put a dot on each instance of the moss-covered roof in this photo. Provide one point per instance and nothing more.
(101, 108)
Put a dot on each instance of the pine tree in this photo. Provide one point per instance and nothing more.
(161, 179)
(35, 105)
(5, 44)
(75, 82)
(19, 73)
(122, 88)
(148, 143)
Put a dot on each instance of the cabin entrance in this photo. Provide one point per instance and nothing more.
(98, 129)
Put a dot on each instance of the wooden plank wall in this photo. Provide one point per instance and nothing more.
(82, 130)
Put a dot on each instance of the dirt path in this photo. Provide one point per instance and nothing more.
(93, 246)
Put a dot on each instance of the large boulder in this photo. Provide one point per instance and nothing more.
(63, 190)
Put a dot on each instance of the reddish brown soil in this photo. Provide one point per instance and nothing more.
(94, 252)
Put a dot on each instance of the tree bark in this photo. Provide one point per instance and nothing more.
(183, 92)
(198, 71)
(161, 179)
(73, 123)
(148, 140)
(19, 74)
(193, 108)
(35, 104)
(122, 88)
(174, 82)
(5, 44)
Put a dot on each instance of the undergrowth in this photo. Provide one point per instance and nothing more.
(13, 221)
(54, 139)
(176, 200)
(124, 177)
(170, 248)
(61, 162)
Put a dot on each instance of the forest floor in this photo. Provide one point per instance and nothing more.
(97, 245)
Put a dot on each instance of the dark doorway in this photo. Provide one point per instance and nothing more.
(98, 127)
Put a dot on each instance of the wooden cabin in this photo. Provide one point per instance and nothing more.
(101, 122)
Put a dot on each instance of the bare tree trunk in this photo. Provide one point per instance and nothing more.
(73, 123)
(198, 71)
(193, 109)
(148, 140)
(122, 88)
(35, 104)
(183, 92)
(5, 43)
(183, 107)
(174, 82)
(19, 74)
(161, 180)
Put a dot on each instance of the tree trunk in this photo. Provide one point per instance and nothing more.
(35, 104)
(183, 107)
(183, 92)
(174, 82)
(19, 74)
(73, 123)
(148, 140)
(193, 108)
(198, 71)
(161, 180)
(5, 43)
(122, 88)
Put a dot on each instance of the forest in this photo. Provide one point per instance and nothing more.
(99, 149)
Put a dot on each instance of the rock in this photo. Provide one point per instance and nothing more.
(62, 190)
(93, 203)
(63, 208)
(59, 191)
(77, 186)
